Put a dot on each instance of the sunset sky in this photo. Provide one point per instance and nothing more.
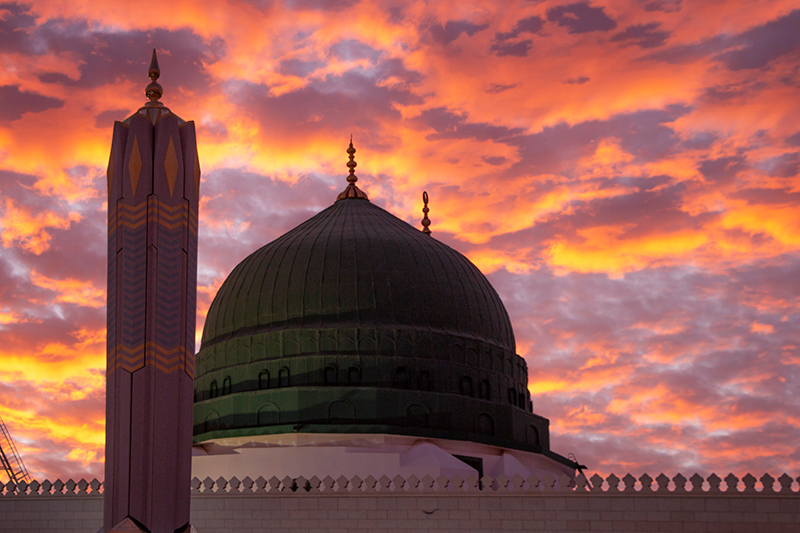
(626, 173)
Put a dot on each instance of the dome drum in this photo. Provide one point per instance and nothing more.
(386, 341)
(383, 372)
(357, 410)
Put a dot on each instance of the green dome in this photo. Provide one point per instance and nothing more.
(356, 265)
(356, 322)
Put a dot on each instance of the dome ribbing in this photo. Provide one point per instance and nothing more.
(356, 265)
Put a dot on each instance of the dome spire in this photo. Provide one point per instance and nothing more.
(154, 90)
(352, 178)
(351, 191)
(425, 220)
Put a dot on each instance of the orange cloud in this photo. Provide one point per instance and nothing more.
(755, 327)
(72, 291)
(607, 249)
(31, 231)
(56, 361)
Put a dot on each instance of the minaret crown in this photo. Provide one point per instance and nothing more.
(154, 90)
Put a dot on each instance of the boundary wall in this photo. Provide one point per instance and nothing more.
(645, 504)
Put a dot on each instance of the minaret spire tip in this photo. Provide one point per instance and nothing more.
(154, 90)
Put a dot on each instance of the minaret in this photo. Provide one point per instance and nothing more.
(153, 190)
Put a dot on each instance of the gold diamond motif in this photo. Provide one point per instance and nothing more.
(135, 165)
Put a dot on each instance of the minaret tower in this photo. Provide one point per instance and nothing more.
(153, 190)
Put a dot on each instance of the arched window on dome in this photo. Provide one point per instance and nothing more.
(329, 375)
(418, 415)
(425, 380)
(473, 357)
(401, 378)
(466, 386)
(342, 411)
(522, 400)
(269, 414)
(485, 391)
(283, 377)
(263, 379)
(485, 425)
(211, 422)
(532, 436)
(226, 385)
(512, 396)
(353, 375)
(213, 388)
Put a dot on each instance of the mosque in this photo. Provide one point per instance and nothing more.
(356, 344)
(353, 345)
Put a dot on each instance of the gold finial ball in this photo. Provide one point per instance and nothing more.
(153, 91)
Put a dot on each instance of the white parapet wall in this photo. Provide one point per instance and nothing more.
(442, 505)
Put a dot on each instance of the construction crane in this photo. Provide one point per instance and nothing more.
(9, 457)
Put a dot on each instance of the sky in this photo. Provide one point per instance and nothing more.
(625, 172)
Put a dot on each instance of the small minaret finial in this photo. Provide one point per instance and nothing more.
(352, 178)
(425, 220)
(352, 191)
(154, 90)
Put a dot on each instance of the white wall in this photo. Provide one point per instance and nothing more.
(269, 505)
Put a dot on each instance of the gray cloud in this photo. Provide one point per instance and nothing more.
(16, 102)
(581, 17)
(519, 49)
(453, 29)
(761, 45)
(643, 35)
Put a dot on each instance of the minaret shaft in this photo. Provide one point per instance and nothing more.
(153, 181)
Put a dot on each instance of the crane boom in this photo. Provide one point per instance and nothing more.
(9, 457)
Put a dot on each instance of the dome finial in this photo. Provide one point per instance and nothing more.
(352, 178)
(425, 220)
(352, 191)
(154, 91)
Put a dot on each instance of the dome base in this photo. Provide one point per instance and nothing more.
(376, 455)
